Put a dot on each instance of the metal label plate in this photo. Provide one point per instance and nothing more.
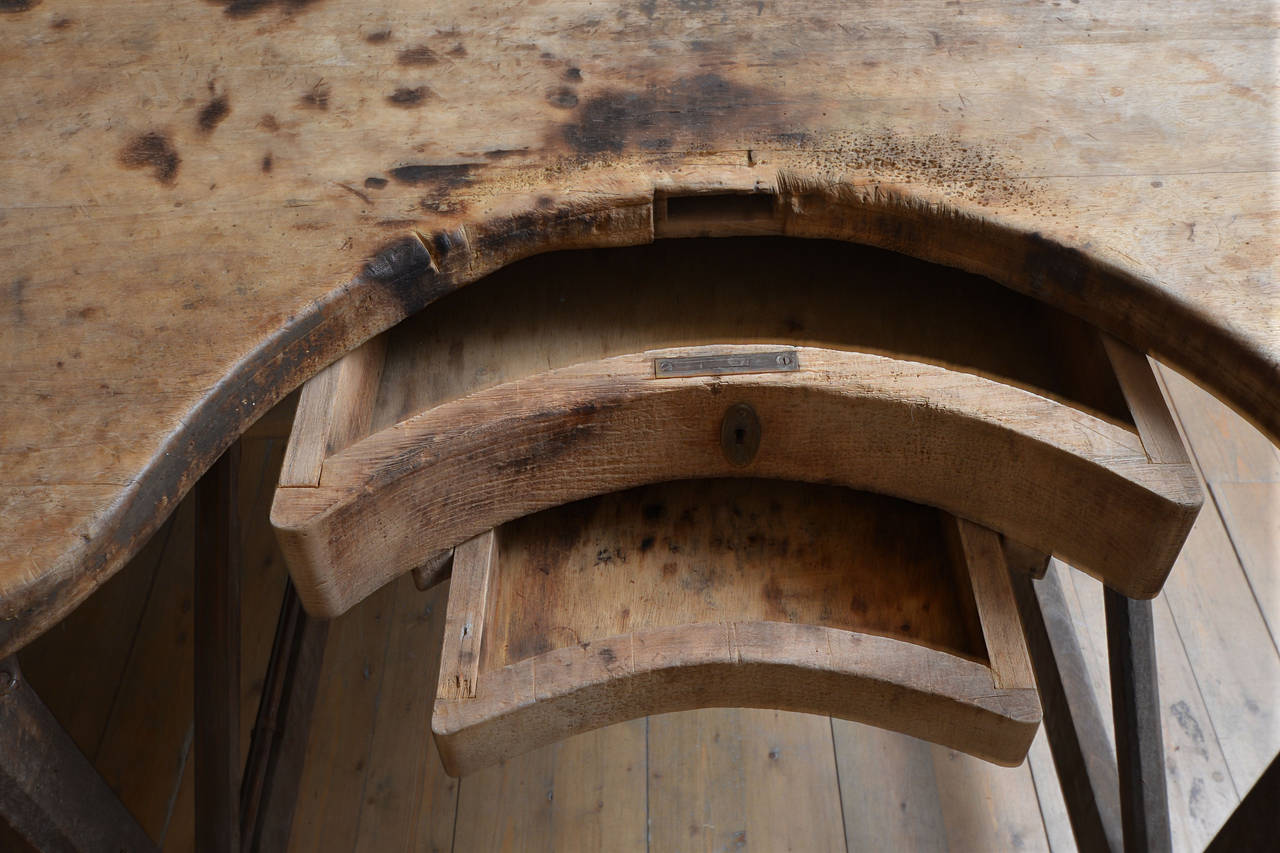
(778, 361)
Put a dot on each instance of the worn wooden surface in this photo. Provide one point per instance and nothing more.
(977, 448)
(205, 203)
(739, 594)
(1219, 683)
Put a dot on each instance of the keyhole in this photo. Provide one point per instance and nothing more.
(740, 434)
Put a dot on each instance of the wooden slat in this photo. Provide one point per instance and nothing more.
(1146, 403)
(453, 471)
(334, 410)
(1082, 752)
(1135, 705)
(1199, 781)
(331, 792)
(733, 779)
(407, 802)
(154, 702)
(985, 807)
(468, 610)
(273, 769)
(216, 603)
(888, 792)
(997, 609)
(50, 795)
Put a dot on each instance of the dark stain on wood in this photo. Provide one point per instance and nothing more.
(379, 37)
(458, 51)
(573, 75)
(443, 176)
(155, 150)
(406, 97)
(248, 8)
(317, 97)
(267, 163)
(213, 113)
(417, 55)
(564, 98)
(268, 123)
(18, 5)
(503, 153)
(649, 119)
(374, 183)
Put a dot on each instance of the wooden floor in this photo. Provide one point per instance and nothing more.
(118, 675)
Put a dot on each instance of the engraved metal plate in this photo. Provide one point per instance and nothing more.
(779, 361)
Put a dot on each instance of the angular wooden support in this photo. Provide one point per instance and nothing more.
(1135, 704)
(1082, 754)
(273, 771)
(732, 593)
(974, 447)
(51, 797)
(217, 657)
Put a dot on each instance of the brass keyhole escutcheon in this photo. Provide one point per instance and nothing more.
(740, 434)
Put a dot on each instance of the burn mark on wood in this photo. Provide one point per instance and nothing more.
(317, 97)
(446, 176)
(268, 123)
(154, 150)
(650, 119)
(573, 75)
(373, 183)
(458, 51)
(406, 97)
(417, 55)
(18, 5)
(379, 37)
(267, 163)
(213, 113)
(247, 8)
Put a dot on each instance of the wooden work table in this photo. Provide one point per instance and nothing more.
(204, 203)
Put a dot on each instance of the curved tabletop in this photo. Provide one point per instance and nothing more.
(203, 203)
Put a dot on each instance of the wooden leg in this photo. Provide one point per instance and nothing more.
(1082, 754)
(51, 797)
(1135, 703)
(1255, 824)
(217, 657)
(279, 744)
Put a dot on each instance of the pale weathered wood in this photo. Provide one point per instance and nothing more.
(731, 779)
(888, 791)
(972, 446)
(598, 622)
(465, 623)
(333, 412)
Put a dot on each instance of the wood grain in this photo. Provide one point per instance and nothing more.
(191, 242)
(686, 595)
(977, 448)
